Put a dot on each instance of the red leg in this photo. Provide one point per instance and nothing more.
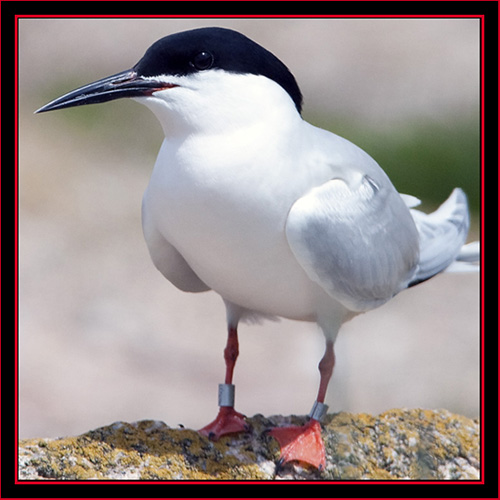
(304, 443)
(325, 371)
(228, 420)
(231, 353)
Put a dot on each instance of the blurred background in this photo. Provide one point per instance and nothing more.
(104, 337)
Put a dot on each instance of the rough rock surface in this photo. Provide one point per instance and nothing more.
(398, 444)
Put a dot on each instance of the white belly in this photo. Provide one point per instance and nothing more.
(230, 230)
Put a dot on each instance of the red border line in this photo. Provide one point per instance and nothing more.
(227, 16)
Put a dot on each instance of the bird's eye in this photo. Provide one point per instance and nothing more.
(202, 60)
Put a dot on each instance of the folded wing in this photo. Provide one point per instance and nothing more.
(442, 236)
(357, 240)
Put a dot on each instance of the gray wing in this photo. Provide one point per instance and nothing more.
(442, 234)
(357, 240)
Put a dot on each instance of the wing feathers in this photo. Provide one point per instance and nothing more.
(358, 241)
(442, 234)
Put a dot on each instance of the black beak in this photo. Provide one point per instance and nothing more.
(125, 84)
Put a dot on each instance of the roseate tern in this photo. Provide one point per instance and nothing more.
(278, 217)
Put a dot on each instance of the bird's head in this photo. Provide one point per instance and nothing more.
(205, 77)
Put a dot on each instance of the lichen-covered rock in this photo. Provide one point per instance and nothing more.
(398, 444)
(409, 444)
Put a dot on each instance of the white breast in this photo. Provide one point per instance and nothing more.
(226, 215)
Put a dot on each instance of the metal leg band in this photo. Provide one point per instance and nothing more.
(226, 394)
(318, 411)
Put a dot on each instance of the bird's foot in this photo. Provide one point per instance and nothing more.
(228, 421)
(303, 444)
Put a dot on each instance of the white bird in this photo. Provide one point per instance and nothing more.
(278, 217)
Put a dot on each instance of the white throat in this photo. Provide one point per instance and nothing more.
(216, 101)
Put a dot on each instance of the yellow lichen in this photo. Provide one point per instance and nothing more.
(417, 444)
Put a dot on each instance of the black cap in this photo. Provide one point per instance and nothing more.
(204, 48)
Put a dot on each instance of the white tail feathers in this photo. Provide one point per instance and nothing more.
(442, 237)
(467, 260)
(469, 252)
